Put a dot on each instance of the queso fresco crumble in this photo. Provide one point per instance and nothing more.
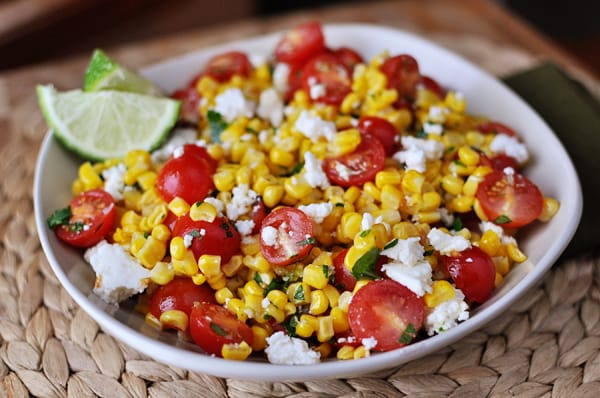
(309, 205)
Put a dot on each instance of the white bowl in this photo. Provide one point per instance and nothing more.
(550, 168)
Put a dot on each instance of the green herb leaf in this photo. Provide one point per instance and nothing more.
(227, 229)
(428, 253)
(258, 279)
(408, 335)
(77, 226)
(457, 225)
(326, 270)
(59, 217)
(146, 234)
(502, 219)
(295, 170)
(308, 241)
(198, 203)
(275, 284)
(194, 233)
(299, 293)
(339, 204)
(251, 130)
(365, 233)
(391, 244)
(218, 329)
(422, 134)
(216, 124)
(459, 163)
(364, 268)
(291, 326)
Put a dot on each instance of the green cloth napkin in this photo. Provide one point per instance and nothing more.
(574, 115)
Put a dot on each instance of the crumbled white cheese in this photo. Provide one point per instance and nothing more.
(437, 114)
(317, 91)
(217, 203)
(510, 146)
(313, 171)
(446, 243)
(343, 171)
(281, 73)
(413, 158)
(447, 314)
(188, 237)
(313, 127)
(178, 152)
(118, 274)
(416, 277)
(446, 217)
(232, 104)
(406, 251)
(269, 236)
(244, 227)
(257, 59)
(415, 152)
(367, 221)
(178, 138)
(369, 342)
(285, 350)
(505, 239)
(270, 106)
(242, 201)
(433, 128)
(113, 180)
(317, 211)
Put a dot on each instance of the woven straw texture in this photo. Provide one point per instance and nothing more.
(548, 345)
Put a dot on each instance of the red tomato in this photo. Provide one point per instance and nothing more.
(510, 200)
(180, 294)
(381, 129)
(258, 214)
(300, 43)
(473, 272)
(495, 128)
(348, 57)
(343, 277)
(328, 73)
(224, 66)
(218, 238)
(189, 177)
(432, 85)
(213, 326)
(190, 101)
(294, 81)
(402, 72)
(170, 220)
(293, 238)
(499, 162)
(92, 219)
(387, 311)
(357, 167)
(200, 152)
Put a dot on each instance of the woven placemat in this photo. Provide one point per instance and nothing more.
(548, 345)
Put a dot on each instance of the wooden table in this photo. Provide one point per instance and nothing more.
(50, 347)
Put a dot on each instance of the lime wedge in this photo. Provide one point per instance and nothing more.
(107, 124)
(103, 73)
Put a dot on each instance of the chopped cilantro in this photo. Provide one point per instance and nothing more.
(251, 130)
(408, 335)
(364, 268)
(339, 204)
(365, 233)
(502, 219)
(295, 170)
(218, 329)
(457, 225)
(194, 233)
(258, 279)
(459, 163)
(59, 217)
(216, 124)
(198, 203)
(391, 244)
(326, 270)
(146, 234)
(275, 284)
(291, 326)
(77, 226)
(299, 293)
(227, 229)
(422, 134)
(308, 241)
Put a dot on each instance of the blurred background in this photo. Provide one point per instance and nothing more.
(34, 31)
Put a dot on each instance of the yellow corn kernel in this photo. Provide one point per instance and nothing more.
(344, 142)
(253, 288)
(153, 321)
(325, 331)
(412, 181)
(314, 276)
(257, 263)
(137, 157)
(215, 151)
(147, 179)
(289, 309)
(441, 291)
(502, 264)
(351, 224)
(89, 178)
(360, 284)
(130, 217)
(175, 318)
(178, 206)
(318, 302)
(452, 184)
(250, 245)
(177, 248)
(216, 282)
(186, 265)
(333, 295)
(132, 199)
(345, 353)
(470, 186)
(223, 294)
(232, 266)
(162, 273)
(490, 243)
(243, 175)
(384, 177)
(427, 217)
(304, 328)
(264, 181)
(237, 306)
(371, 189)
(77, 187)
(550, 208)
(259, 340)
(236, 351)
(151, 252)
(137, 242)
(210, 265)
(278, 298)
(361, 352)
(391, 197)
(157, 216)
(350, 102)
(515, 254)
(199, 279)
(203, 211)
(344, 300)
(478, 210)
(282, 157)
(297, 186)
(457, 168)
(272, 195)
(339, 318)
(431, 201)
(298, 293)
(468, 156)
(224, 180)
(461, 204)
(499, 279)
(324, 349)
(272, 312)
(161, 232)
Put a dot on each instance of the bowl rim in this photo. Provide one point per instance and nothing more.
(197, 361)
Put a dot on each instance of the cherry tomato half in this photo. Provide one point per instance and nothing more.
(509, 200)
(326, 79)
(495, 128)
(348, 57)
(92, 219)
(343, 277)
(187, 176)
(201, 152)
(224, 66)
(190, 101)
(357, 167)
(217, 238)
(381, 129)
(387, 311)
(286, 236)
(300, 43)
(179, 294)
(432, 85)
(212, 326)
(402, 72)
(473, 272)
(499, 161)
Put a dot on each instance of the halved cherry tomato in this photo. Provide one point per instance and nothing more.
(187, 176)
(299, 44)
(387, 311)
(511, 201)
(495, 128)
(402, 72)
(348, 56)
(357, 167)
(473, 272)
(258, 214)
(92, 219)
(202, 153)
(218, 238)
(381, 129)
(179, 294)
(224, 66)
(432, 85)
(333, 78)
(294, 81)
(286, 236)
(343, 277)
(499, 161)
(213, 326)
(190, 101)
